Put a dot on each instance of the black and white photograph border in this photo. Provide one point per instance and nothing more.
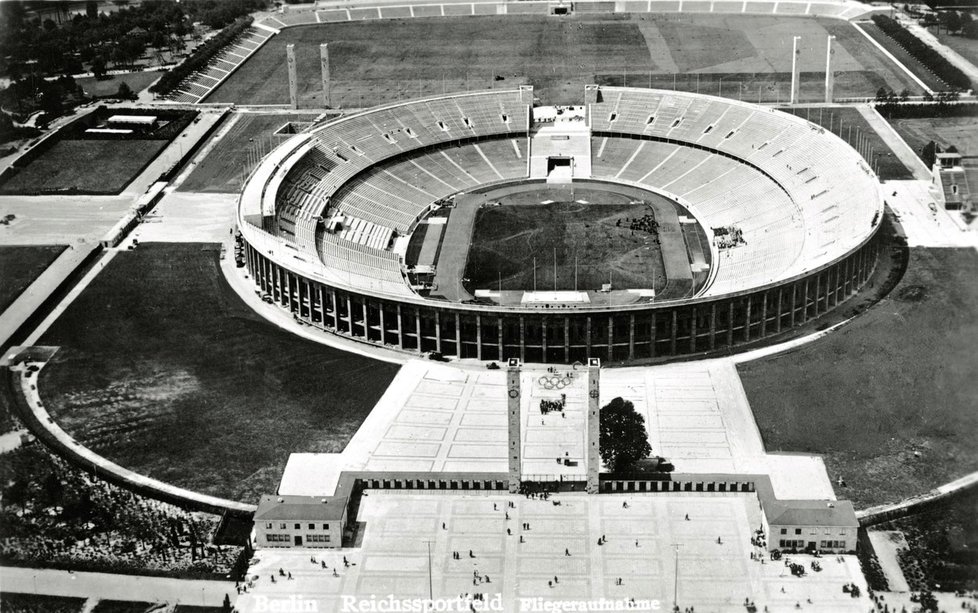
(505, 305)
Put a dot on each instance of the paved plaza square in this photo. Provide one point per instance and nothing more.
(399, 528)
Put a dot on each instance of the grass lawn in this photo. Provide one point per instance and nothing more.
(20, 266)
(920, 70)
(967, 47)
(962, 132)
(844, 122)
(898, 380)
(382, 61)
(87, 166)
(137, 81)
(11, 602)
(233, 156)
(164, 370)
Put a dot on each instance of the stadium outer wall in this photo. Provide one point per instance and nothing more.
(563, 335)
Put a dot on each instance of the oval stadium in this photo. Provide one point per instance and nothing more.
(640, 224)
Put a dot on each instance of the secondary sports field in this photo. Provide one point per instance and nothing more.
(380, 61)
(159, 348)
(20, 266)
(960, 132)
(889, 398)
(236, 154)
(84, 166)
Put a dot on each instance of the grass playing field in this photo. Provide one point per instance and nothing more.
(596, 237)
(137, 81)
(159, 348)
(20, 266)
(13, 602)
(237, 153)
(380, 61)
(961, 132)
(898, 381)
(849, 124)
(85, 166)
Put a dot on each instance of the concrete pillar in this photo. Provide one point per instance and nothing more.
(293, 78)
(400, 329)
(652, 335)
(631, 337)
(522, 339)
(478, 337)
(713, 326)
(567, 340)
(417, 328)
(593, 425)
(514, 421)
(458, 335)
(543, 338)
(795, 69)
(692, 330)
(438, 331)
(611, 337)
(324, 68)
(499, 338)
(829, 77)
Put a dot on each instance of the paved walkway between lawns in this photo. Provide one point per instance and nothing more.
(106, 586)
(886, 544)
(952, 56)
(924, 226)
(892, 138)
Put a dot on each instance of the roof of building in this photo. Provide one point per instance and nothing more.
(301, 508)
(828, 513)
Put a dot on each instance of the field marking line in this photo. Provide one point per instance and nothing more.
(892, 58)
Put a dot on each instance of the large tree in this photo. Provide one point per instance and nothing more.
(624, 439)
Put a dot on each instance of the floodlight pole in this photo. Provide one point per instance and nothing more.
(430, 597)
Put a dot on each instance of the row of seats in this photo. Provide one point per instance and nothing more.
(199, 84)
(791, 151)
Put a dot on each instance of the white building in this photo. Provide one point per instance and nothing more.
(823, 525)
(300, 521)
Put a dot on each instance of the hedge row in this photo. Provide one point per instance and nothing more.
(923, 52)
(911, 111)
(201, 57)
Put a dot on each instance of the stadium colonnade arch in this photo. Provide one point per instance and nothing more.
(291, 265)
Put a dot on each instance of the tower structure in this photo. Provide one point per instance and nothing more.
(324, 67)
(829, 77)
(795, 69)
(513, 413)
(593, 425)
(293, 84)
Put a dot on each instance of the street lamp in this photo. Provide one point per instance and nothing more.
(675, 587)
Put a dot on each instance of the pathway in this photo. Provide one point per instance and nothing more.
(117, 587)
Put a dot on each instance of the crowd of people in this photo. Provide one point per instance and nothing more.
(645, 223)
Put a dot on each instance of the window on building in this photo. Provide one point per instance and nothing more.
(281, 526)
(325, 526)
(828, 531)
(312, 526)
(317, 538)
(842, 532)
(268, 526)
(277, 538)
(797, 530)
(784, 531)
(297, 526)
